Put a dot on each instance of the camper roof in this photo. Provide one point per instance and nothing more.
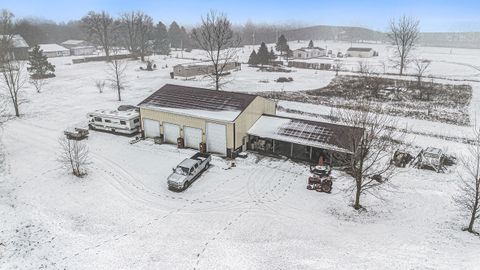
(127, 115)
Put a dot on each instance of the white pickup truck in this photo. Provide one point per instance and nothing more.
(187, 171)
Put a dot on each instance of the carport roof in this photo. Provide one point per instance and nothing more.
(305, 132)
(198, 102)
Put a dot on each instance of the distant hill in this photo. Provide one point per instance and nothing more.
(361, 34)
(341, 33)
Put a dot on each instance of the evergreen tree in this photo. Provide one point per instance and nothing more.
(39, 67)
(310, 44)
(161, 44)
(175, 35)
(263, 56)
(252, 60)
(281, 45)
(271, 55)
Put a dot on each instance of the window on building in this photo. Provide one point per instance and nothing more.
(123, 122)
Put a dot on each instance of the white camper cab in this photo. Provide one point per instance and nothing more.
(123, 122)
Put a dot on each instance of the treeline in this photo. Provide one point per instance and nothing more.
(38, 31)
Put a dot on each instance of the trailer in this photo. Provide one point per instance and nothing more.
(431, 158)
(119, 121)
(76, 133)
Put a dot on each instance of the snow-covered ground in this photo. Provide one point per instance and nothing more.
(258, 215)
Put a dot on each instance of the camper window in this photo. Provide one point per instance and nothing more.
(107, 121)
(123, 122)
(136, 121)
(98, 119)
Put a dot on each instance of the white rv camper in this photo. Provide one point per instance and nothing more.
(117, 121)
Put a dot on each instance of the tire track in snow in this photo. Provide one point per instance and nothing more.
(231, 223)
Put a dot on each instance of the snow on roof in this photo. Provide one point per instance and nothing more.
(198, 102)
(52, 48)
(304, 132)
(17, 40)
(306, 49)
(130, 114)
(73, 42)
(83, 47)
(356, 49)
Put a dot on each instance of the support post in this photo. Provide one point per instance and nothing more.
(311, 150)
(291, 150)
(273, 146)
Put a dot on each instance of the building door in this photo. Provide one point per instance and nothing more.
(193, 137)
(171, 132)
(151, 128)
(217, 138)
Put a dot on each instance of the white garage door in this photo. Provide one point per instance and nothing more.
(171, 132)
(193, 137)
(217, 138)
(151, 128)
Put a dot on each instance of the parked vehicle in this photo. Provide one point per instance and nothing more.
(76, 133)
(430, 157)
(401, 158)
(188, 171)
(320, 180)
(116, 121)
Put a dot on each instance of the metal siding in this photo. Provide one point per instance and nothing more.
(250, 115)
(183, 121)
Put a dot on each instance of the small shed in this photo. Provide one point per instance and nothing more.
(361, 52)
(202, 68)
(71, 43)
(18, 47)
(54, 50)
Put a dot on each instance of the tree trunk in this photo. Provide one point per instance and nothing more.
(358, 190)
(473, 216)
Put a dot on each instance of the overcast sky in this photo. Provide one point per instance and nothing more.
(439, 15)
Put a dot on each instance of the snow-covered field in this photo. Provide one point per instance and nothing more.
(258, 215)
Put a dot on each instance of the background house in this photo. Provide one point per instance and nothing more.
(19, 47)
(307, 53)
(360, 52)
(54, 50)
(79, 47)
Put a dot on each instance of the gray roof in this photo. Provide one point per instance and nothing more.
(17, 41)
(356, 49)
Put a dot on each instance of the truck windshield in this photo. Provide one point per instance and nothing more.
(182, 170)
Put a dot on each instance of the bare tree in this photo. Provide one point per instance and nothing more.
(102, 29)
(14, 76)
(468, 198)
(337, 66)
(137, 31)
(369, 163)
(74, 156)
(216, 37)
(6, 22)
(38, 84)
(403, 33)
(421, 66)
(100, 85)
(116, 74)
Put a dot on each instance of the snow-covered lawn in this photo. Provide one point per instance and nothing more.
(258, 215)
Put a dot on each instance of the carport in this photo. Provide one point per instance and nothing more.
(301, 139)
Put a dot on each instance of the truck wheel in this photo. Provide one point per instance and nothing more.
(186, 185)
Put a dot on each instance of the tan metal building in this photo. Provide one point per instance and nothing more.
(220, 119)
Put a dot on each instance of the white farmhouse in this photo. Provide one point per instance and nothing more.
(360, 52)
(307, 53)
(54, 50)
